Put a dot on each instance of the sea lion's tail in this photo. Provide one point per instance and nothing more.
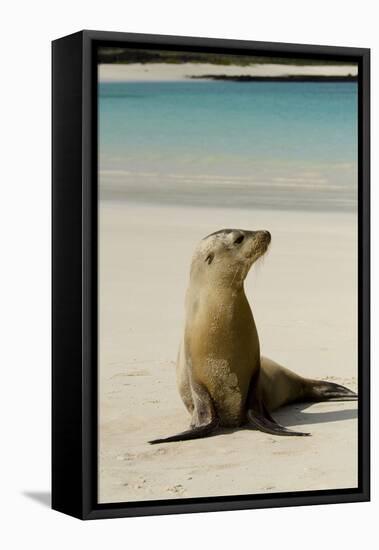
(320, 390)
(194, 433)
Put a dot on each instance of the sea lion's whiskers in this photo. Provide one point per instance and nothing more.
(260, 261)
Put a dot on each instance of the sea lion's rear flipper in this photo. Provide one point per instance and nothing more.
(204, 418)
(193, 433)
(320, 390)
(263, 421)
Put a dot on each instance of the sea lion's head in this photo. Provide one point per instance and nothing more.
(225, 257)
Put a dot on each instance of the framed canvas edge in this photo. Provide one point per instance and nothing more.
(87, 507)
(174, 41)
(67, 365)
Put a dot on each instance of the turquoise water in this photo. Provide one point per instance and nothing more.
(257, 144)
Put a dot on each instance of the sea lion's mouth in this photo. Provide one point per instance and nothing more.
(265, 240)
(260, 245)
(261, 251)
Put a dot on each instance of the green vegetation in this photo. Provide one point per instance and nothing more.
(132, 55)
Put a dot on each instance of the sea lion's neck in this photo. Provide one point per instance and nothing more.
(228, 289)
(212, 297)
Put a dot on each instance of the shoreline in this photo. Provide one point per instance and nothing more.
(169, 72)
(288, 78)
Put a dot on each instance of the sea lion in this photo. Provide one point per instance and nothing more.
(221, 375)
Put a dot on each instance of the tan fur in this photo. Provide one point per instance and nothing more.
(221, 348)
(278, 385)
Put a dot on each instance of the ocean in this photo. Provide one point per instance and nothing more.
(281, 145)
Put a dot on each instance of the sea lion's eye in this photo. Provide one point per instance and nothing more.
(209, 258)
(239, 239)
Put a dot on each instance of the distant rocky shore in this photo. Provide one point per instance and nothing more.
(285, 78)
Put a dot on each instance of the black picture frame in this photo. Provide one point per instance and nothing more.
(74, 272)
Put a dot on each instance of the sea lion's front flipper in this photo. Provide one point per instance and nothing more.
(192, 433)
(257, 413)
(263, 421)
(204, 418)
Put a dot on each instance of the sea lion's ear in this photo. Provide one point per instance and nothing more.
(209, 258)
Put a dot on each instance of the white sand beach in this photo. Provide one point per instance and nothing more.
(303, 295)
(181, 71)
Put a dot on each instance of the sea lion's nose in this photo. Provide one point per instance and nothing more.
(267, 234)
(262, 235)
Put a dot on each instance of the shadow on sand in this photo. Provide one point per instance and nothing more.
(298, 415)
